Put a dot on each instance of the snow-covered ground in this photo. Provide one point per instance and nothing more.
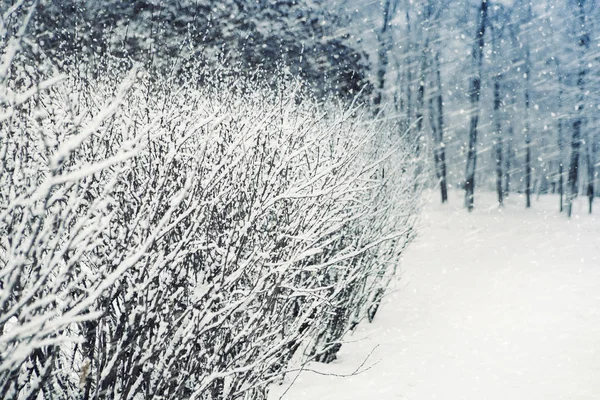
(497, 304)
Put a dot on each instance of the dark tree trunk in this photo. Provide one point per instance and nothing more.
(583, 43)
(497, 138)
(474, 93)
(384, 47)
(574, 165)
(437, 128)
(590, 159)
(560, 184)
(423, 69)
(527, 118)
(508, 155)
(560, 140)
(408, 60)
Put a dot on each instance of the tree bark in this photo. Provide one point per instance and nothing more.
(559, 139)
(590, 160)
(560, 168)
(508, 144)
(436, 108)
(474, 93)
(497, 138)
(583, 43)
(408, 60)
(384, 47)
(420, 104)
(527, 132)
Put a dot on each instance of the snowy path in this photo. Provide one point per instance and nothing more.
(494, 305)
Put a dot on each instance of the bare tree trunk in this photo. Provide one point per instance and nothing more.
(436, 103)
(420, 104)
(560, 139)
(527, 132)
(583, 43)
(408, 60)
(561, 179)
(590, 159)
(474, 93)
(527, 153)
(497, 141)
(384, 48)
(437, 127)
(398, 95)
(508, 144)
(574, 165)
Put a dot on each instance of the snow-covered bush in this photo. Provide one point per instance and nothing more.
(173, 241)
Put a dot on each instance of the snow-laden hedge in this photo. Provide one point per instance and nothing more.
(167, 241)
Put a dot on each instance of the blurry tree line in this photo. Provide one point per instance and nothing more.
(503, 93)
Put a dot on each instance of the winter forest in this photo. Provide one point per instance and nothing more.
(297, 199)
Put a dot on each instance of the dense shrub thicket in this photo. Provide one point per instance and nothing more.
(181, 241)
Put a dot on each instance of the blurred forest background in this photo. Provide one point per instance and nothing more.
(532, 66)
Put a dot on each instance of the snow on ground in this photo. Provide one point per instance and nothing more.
(497, 304)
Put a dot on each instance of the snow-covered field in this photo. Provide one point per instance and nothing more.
(497, 304)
